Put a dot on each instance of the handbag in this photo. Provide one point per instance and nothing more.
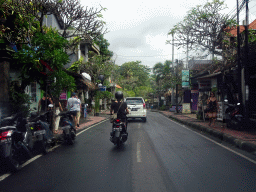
(114, 115)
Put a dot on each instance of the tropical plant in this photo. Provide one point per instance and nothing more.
(201, 26)
(43, 63)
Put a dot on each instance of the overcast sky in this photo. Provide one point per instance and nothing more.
(138, 28)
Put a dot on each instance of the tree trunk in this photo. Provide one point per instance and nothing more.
(4, 89)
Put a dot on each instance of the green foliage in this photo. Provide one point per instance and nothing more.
(47, 48)
(103, 44)
(97, 65)
(76, 65)
(129, 93)
(166, 76)
(133, 74)
(162, 108)
(201, 26)
(17, 26)
(20, 102)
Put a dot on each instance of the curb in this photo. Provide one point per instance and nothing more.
(241, 144)
(59, 136)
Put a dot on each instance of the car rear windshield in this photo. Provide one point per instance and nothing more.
(134, 101)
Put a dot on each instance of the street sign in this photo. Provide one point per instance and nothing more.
(102, 88)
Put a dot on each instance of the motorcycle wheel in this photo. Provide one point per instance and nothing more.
(229, 125)
(12, 160)
(71, 137)
(118, 143)
(45, 146)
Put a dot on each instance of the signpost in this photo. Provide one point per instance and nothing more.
(102, 88)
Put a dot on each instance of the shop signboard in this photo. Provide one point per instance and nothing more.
(186, 108)
(63, 95)
(220, 113)
(204, 84)
(185, 78)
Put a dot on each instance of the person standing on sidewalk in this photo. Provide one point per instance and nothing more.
(58, 109)
(43, 102)
(73, 105)
(212, 108)
(78, 115)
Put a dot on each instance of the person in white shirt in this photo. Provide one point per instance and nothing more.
(73, 105)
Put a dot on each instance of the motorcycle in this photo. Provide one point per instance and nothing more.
(118, 135)
(66, 124)
(234, 118)
(15, 142)
(41, 134)
(20, 138)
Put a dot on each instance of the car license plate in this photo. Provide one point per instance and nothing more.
(134, 109)
(39, 132)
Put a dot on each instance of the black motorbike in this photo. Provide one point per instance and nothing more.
(234, 117)
(118, 135)
(66, 124)
(41, 134)
(21, 137)
(15, 142)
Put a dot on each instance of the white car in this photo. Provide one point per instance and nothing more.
(137, 108)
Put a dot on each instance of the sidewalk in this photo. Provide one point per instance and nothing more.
(245, 140)
(86, 122)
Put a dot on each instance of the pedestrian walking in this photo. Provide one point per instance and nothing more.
(212, 109)
(73, 105)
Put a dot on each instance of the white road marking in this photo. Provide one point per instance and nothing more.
(2, 177)
(91, 127)
(138, 152)
(239, 154)
(139, 125)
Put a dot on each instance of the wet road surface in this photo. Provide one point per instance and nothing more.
(159, 155)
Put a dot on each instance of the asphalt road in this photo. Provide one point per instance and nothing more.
(159, 155)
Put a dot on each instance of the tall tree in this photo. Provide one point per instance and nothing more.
(103, 44)
(39, 61)
(201, 26)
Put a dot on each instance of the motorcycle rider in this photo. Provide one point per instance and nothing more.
(123, 110)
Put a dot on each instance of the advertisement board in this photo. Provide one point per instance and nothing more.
(63, 95)
(186, 108)
(185, 78)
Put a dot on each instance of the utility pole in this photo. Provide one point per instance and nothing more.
(172, 98)
(187, 52)
(240, 96)
(245, 66)
(177, 88)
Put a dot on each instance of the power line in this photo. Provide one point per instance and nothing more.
(145, 55)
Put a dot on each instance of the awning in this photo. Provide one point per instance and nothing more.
(86, 76)
(89, 84)
(209, 76)
(117, 86)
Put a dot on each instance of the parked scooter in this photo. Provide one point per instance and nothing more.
(41, 134)
(118, 134)
(19, 138)
(234, 117)
(66, 124)
(15, 143)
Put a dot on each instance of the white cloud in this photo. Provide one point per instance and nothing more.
(139, 27)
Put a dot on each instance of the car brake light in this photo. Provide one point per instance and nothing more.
(144, 105)
(5, 134)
